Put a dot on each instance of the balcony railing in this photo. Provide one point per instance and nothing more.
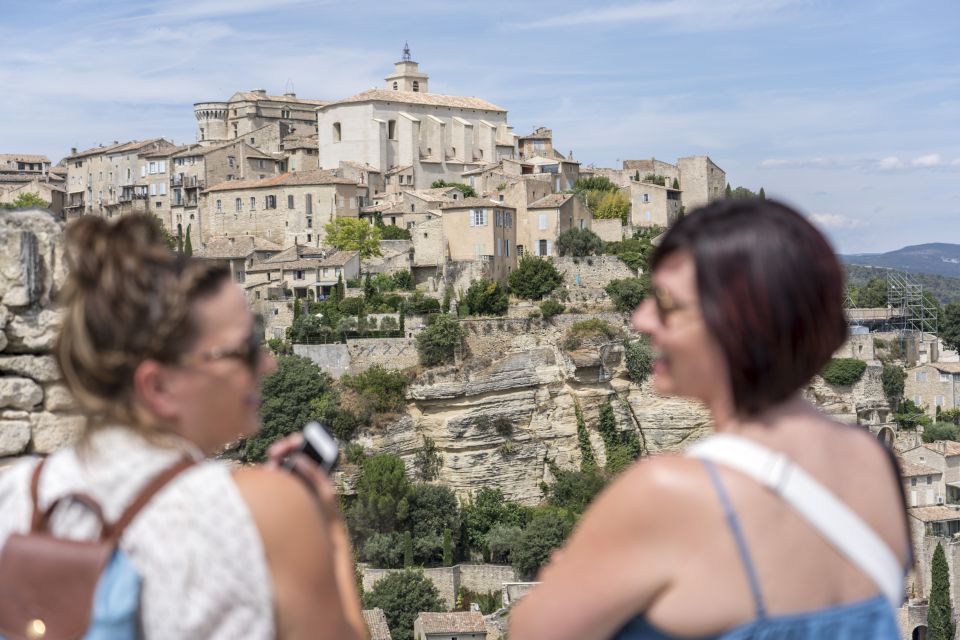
(187, 182)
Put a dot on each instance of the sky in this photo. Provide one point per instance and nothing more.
(847, 109)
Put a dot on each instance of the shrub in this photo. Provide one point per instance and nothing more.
(534, 278)
(383, 389)
(843, 371)
(910, 414)
(628, 293)
(579, 243)
(485, 298)
(343, 423)
(402, 596)
(613, 205)
(420, 303)
(547, 530)
(573, 490)
(403, 280)
(501, 540)
(503, 427)
(383, 550)
(588, 330)
(550, 308)
(940, 431)
(594, 183)
(305, 328)
(351, 306)
(438, 342)
(486, 509)
(428, 461)
(465, 189)
(892, 378)
(354, 453)
(639, 360)
(393, 232)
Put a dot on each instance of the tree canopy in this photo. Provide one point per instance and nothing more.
(579, 243)
(27, 201)
(465, 189)
(402, 596)
(352, 234)
(534, 278)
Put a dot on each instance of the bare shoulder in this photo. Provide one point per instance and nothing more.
(280, 504)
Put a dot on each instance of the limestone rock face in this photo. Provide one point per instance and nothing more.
(19, 393)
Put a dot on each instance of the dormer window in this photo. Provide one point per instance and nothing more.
(416, 85)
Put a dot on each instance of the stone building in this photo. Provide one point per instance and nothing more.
(304, 271)
(44, 188)
(248, 111)
(944, 458)
(653, 205)
(933, 385)
(376, 621)
(478, 229)
(288, 209)
(412, 136)
(111, 180)
(540, 228)
(701, 180)
(458, 625)
(240, 252)
(300, 152)
(537, 144)
(26, 165)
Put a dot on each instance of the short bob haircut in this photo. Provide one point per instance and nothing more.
(771, 293)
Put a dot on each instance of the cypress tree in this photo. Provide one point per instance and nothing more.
(337, 293)
(587, 460)
(447, 548)
(636, 176)
(762, 195)
(403, 314)
(407, 549)
(368, 290)
(728, 193)
(676, 183)
(940, 613)
(187, 245)
(179, 238)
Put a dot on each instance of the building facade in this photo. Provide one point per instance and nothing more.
(933, 385)
(247, 111)
(478, 229)
(546, 219)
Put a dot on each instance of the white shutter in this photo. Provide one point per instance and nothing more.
(153, 189)
(163, 188)
(549, 248)
(163, 166)
(543, 221)
(143, 172)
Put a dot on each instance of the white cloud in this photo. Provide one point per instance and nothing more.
(684, 14)
(834, 221)
(929, 160)
(889, 163)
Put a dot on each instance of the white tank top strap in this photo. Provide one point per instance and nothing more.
(833, 519)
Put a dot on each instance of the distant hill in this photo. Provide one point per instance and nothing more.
(942, 288)
(938, 258)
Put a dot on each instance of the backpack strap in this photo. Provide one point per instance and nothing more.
(155, 485)
(826, 513)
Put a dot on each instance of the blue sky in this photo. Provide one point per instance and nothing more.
(849, 110)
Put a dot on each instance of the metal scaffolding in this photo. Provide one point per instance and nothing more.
(916, 314)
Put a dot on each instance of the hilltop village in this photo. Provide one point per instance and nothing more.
(453, 299)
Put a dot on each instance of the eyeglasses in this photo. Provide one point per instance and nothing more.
(666, 305)
(250, 352)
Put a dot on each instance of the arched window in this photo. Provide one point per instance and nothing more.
(395, 85)
(336, 132)
(416, 85)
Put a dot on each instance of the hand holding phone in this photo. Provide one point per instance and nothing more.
(318, 445)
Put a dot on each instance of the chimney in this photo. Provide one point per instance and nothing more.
(73, 151)
(260, 92)
(116, 142)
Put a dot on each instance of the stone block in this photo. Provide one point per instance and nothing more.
(54, 431)
(56, 397)
(19, 393)
(33, 332)
(14, 414)
(14, 436)
(40, 368)
(21, 268)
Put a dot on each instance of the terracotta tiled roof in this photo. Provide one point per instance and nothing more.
(468, 203)
(911, 469)
(236, 247)
(456, 622)
(947, 367)
(552, 201)
(315, 176)
(122, 147)
(416, 97)
(23, 157)
(338, 259)
(937, 513)
(256, 97)
(433, 195)
(945, 448)
(376, 621)
(296, 141)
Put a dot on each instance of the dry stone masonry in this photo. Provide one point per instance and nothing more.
(36, 410)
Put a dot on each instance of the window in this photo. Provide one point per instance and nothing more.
(153, 168)
(646, 197)
(499, 246)
(416, 85)
(647, 216)
(162, 166)
(918, 400)
(270, 202)
(238, 204)
(413, 209)
(583, 224)
(395, 85)
(309, 237)
(939, 401)
(309, 222)
(921, 376)
(253, 203)
(128, 173)
(261, 164)
(153, 189)
(143, 171)
(253, 141)
(506, 247)
(543, 247)
(336, 132)
(913, 482)
(929, 479)
(392, 129)
(219, 206)
(945, 377)
(299, 275)
(478, 218)
(284, 113)
(496, 218)
(543, 221)
(308, 203)
(231, 161)
(163, 188)
(289, 202)
(519, 250)
(507, 219)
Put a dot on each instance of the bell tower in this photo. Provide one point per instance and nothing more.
(406, 75)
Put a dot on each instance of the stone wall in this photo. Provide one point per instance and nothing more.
(37, 413)
(595, 272)
(333, 358)
(480, 578)
(608, 230)
(360, 354)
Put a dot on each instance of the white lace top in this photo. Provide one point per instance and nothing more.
(195, 543)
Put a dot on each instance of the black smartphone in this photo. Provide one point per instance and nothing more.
(318, 445)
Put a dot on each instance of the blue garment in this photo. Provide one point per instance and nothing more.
(872, 618)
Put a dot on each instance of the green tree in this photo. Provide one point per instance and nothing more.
(762, 194)
(447, 549)
(393, 232)
(420, 303)
(287, 393)
(595, 183)
(28, 200)
(843, 371)
(909, 415)
(465, 189)
(382, 389)
(179, 238)
(407, 549)
(728, 192)
(402, 596)
(676, 184)
(950, 325)
(613, 205)
(187, 244)
(353, 234)
(433, 509)
(486, 298)
(428, 461)
(381, 499)
(871, 295)
(940, 625)
(628, 293)
(439, 341)
(403, 280)
(579, 243)
(893, 378)
(307, 328)
(168, 238)
(383, 550)
(547, 530)
(486, 509)
(940, 431)
(550, 308)
(588, 461)
(339, 291)
(573, 490)
(369, 291)
(639, 360)
(501, 541)
(534, 278)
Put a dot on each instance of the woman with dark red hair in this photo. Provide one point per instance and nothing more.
(784, 523)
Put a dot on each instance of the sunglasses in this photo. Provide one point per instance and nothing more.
(666, 305)
(249, 352)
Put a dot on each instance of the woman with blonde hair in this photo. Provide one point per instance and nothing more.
(785, 523)
(162, 354)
